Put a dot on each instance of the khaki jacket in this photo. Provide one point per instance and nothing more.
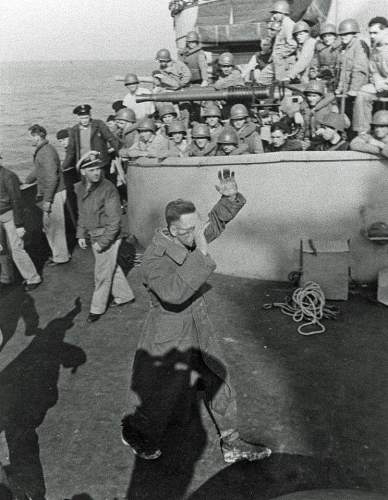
(99, 211)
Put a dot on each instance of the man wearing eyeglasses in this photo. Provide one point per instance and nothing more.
(177, 342)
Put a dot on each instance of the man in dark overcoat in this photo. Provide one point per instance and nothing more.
(178, 333)
(89, 134)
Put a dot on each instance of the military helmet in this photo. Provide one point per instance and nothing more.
(348, 26)
(226, 59)
(211, 110)
(177, 126)
(163, 55)
(327, 28)
(380, 118)
(315, 87)
(335, 121)
(130, 78)
(146, 124)
(301, 26)
(200, 130)
(126, 114)
(238, 111)
(281, 6)
(167, 109)
(228, 136)
(192, 36)
(378, 230)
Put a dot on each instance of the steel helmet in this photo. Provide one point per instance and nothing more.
(163, 55)
(146, 124)
(380, 118)
(226, 59)
(130, 78)
(228, 136)
(315, 87)
(211, 110)
(200, 130)
(327, 28)
(335, 121)
(176, 126)
(167, 109)
(238, 111)
(301, 26)
(192, 36)
(281, 6)
(378, 230)
(348, 26)
(126, 114)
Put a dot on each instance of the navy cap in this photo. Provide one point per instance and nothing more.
(89, 159)
(82, 109)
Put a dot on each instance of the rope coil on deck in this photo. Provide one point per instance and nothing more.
(307, 303)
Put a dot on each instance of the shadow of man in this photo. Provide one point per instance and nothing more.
(15, 305)
(28, 389)
(169, 390)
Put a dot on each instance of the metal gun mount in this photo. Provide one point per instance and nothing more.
(209, 94)
(254, 93)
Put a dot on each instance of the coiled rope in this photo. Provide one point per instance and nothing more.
(307, 303)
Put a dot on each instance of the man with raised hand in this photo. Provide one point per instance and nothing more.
(178, 338)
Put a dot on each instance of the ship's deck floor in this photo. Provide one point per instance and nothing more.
(320, 402)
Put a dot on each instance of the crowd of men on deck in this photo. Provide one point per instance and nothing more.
(337, 91)
(337, 88)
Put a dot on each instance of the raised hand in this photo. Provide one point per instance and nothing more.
(227, 184)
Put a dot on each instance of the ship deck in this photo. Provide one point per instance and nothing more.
(319, 402)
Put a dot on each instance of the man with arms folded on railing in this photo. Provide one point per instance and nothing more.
(280, 140)
(176, 267)
(228, 143)
(201, 142)
(211, 114)
(52, 191)
(378, 86)
(99, 219)
(178, 144)
(148, 144)
(246, 130)
(12, 232)
(376, 141)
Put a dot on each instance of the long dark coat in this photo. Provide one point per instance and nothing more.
(178, 323)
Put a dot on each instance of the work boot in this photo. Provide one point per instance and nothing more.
(140, 445)
(234, 449)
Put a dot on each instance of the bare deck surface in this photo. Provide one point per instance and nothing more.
(320, 402)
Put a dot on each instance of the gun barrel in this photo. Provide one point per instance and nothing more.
(209, 94)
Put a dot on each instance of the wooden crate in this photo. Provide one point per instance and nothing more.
(326, 262)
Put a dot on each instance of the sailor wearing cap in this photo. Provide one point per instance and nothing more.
(89, 134)
(99, 222)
